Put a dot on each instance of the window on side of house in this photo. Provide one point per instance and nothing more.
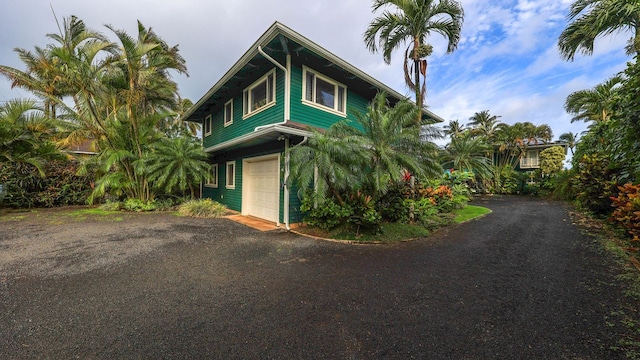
(228, 113)
(260, 95)
(231, 175)
(212, 179)
(324, 93)
(530, 160)
(207, 126)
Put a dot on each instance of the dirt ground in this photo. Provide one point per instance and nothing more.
(520, 283)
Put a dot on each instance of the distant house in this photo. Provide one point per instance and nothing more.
(85, 148)
(268, 101)
(530, 159)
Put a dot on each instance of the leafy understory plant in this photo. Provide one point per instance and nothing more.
(202, 208)
(627, 212)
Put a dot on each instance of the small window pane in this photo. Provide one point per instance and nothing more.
(341, 99)
(325, 93)
(228, 113)
(309, 86)
(231, 174)
(245, 105)
(270, 88)
(207, 125)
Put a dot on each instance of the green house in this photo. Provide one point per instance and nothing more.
(282, 87)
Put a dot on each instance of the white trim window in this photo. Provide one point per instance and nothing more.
(207, 125)
(231, 175)
(530, 160)
(323, 93)
(228, 113)
(212, 179)
(260, 95)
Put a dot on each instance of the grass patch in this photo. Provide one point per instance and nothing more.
(91, 211)
(391, 233)
(469, 212)
(12, 217)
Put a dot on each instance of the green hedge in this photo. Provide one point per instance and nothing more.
(25, 188)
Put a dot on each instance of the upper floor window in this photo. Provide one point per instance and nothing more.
(260, 94)
(228, 113)
(530, 160)
(207, 125)
(322, 92)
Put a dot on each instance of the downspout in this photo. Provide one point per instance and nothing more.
(287, 88)
(287, 115)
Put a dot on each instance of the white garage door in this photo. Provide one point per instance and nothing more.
(264, 189)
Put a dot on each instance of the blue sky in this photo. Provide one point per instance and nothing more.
(507, 61)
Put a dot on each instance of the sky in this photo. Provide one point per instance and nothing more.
(507, 60)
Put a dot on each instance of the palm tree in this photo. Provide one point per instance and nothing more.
(177, 164)
(454, 129)
(594, 104)
(326, 166)
(571, 139)
(413, 22)
(594, 18)
(533, 134)
(141, 69)
(42, 76)
(385, 142)
(468, 153)
(26, 135)
(485, 124)
(392, 141)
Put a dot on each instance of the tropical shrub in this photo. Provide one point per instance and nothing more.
(391, 204)
(594, 184)
(552, 160)
(202, 208)
(138, 205)
(364, 214)
(627, 209)
(26, 188)
(560, 187)
(326, 215)
(111, 206)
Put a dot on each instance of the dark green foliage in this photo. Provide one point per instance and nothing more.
(594, 184)
(26, 188)
(138, 205)
(626, 139)
(326, 215)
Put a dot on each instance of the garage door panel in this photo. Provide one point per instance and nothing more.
(263, 191)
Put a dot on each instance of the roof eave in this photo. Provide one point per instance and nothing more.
(273, 31)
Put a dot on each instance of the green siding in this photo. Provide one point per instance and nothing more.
(295, 215)
(315, 117)
(230, 197)
(273, 114)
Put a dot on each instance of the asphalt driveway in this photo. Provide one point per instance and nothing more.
(520, 283)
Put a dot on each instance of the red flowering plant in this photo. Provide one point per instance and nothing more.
(627, 212)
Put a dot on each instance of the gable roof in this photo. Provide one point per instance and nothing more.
(284, 35)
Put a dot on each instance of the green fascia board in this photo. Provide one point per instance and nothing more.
(279, 29)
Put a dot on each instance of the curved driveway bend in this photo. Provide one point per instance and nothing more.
(520, 283)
